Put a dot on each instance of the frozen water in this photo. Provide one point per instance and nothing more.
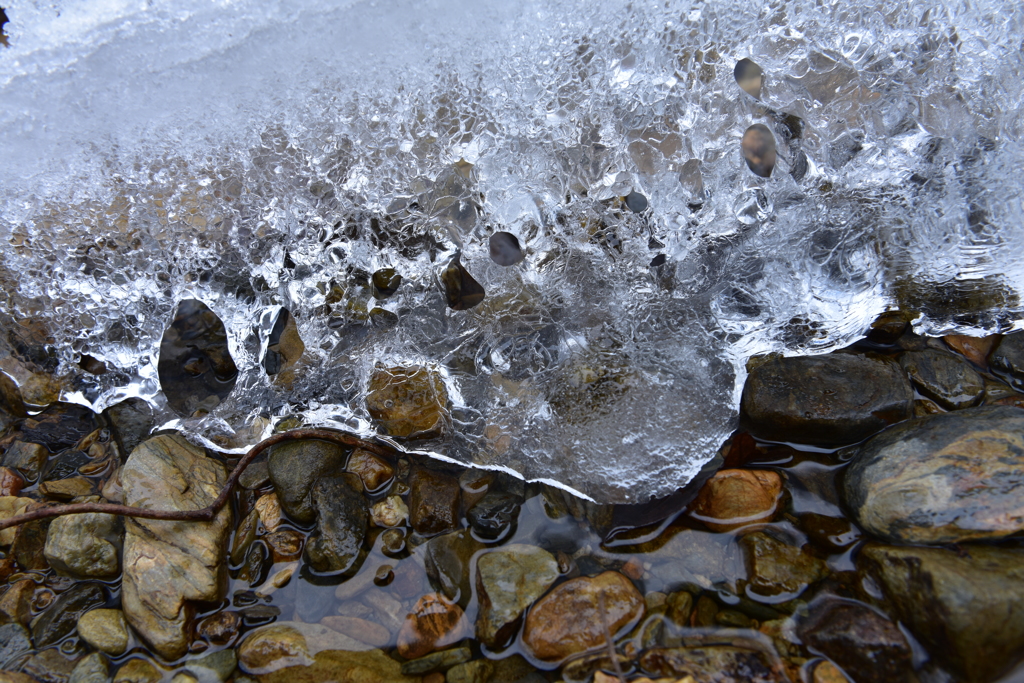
(255, 154)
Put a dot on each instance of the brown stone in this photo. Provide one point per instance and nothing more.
(827, 672)
(362, 630)
(734, 498)
(10, 483)
(11, 506)
(434, 624)
(16, 603)
(26, 458)
(433, 502)
(220, 628)
(779, 568)
(373, 471)
(408, 402)
(570, 619)
(718, 663)
(66, 489)
(974, 349)
(16, 677)
(285, 544)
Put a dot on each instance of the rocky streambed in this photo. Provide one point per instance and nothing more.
(796, 556)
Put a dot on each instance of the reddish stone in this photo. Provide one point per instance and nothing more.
(10, 483)
(734, 498)
(974, 349)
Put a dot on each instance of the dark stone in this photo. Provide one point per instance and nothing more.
(284, 345)
(220, 628)
(948, 380)
(29, 545)
(494, 515)
(65, 465)
(295, 466)
(436, 661)
(433, 502)
(257, 615)
(718, 663)
(61, 617)
(341, 523)
(132, 420)
(59, 426)
(447, 560)
(195, 366)
(14, 643)
(386, 282)
(505, 249)
(1008, 357)
(778, 568)
(824, 400)
(636, 202)
(944, 478)
(28, 459)
(461, 291)
(964, 606)
(866, 645)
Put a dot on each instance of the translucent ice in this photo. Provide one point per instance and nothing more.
(254, 155)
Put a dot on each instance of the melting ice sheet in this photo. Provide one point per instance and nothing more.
(256, 154)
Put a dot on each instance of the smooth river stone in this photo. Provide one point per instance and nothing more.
(168, 564)
(944, 478)
(734, 498)
(85, 546)
(508, 581)
(287, 644)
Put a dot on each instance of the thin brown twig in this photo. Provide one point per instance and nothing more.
(608, 638)
(205, 514)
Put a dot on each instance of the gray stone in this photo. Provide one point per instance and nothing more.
(436, 661)
(215, 667)
(495, 514)
(948, 380)
(27, 458)
(508, 581)
(92, 668)
(294, 468)
(1008, 357)
(105, 629)
(132, 420)
(257, 474)
(966, 608)
(698, 559)
(447, 560)
(433, 502)
(85, 546)
(825, 400)
(942, 479)
(342, 519)
(512, 669)
(61, 617)
(14, 642)
(169, 564)
(778, 568)
(719, 663)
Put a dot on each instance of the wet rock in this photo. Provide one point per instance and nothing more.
(284, 345)
(167, 565)
(386, 282)
(824, 400)
(61, 617)
(16, 677)
(195, 367)
(244, 536)
(105, 629)
(512, 669)
(758, 147)
(256, 475)
(268, 507)
(11, 482)
(139, 670)
(734, 498)
(437, 661)
(340, 666)
(85, 546)
(964, 607)
(589, 668)
(948, 380)
(699, 559)
(216, 666)
(778, 568)
(341, 523)
(718, 663)
(679, 606)
(827, 672)
(220, 628)
(59, 427)
(392, 542)
(66, 489)
(569, 619)
(974, 349)
(390, 512)
(295, 466)
(447, 560)
(12, 403)
(434, 624)
(49, 666)
(16, 602)
(25, 458)
(1008, 357)
(942, 479)
(362, 630)
(433, 502)
(132, 420)
(461, 291)
(11, 506)
(29, 541)
(508, 581)
(408, 401)
(285, 545)
(375, 472)
(289, 644)
(505, 249)
(92, 668)
(495, 514)
(831, 534)
(704, 612)
(14, 642)
(865, 644)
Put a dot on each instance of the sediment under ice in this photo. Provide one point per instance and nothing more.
(254, 155)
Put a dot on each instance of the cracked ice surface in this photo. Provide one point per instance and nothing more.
(255, 154)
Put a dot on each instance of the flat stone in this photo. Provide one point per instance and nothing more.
(778, 568)
(495, 514)
(512, 669)
(29, 542)
(437, 661)
(105, 629)
(408, 402)
(66, 489)
(364, 631)
(390, 512)
(948, 380)
(220, 628)
(215, 666)
(974, 349)
(433, 502)
(508, 581)
(864, 643)
(434, 624)
(718, 663)
(698, 558)
(964, 607)
(25, 458)
(569, 619)
(92, 668)
(447, 561)
(85, 546)
(61, 617)
(829, 400)
(295, 466)
(340, 666)
(16, 677)
(341, 523)
(734, 498)
(167, 565)
(942, 479)
(287, 644)
(375, 472)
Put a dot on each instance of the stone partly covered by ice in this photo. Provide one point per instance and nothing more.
(255, 155)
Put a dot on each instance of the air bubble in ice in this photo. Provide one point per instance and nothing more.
(752, 206)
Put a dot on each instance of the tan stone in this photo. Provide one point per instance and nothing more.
(269, 509)
(10, 483)
(11, 506)
(343, 667)
(105, 629)
(827, 672)
(288, 644)
(374, 472)
(570, 619)
(734, 498)
(409, 401)
(435, 623)
(16, 602)
(389, 512)
(66, 489)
